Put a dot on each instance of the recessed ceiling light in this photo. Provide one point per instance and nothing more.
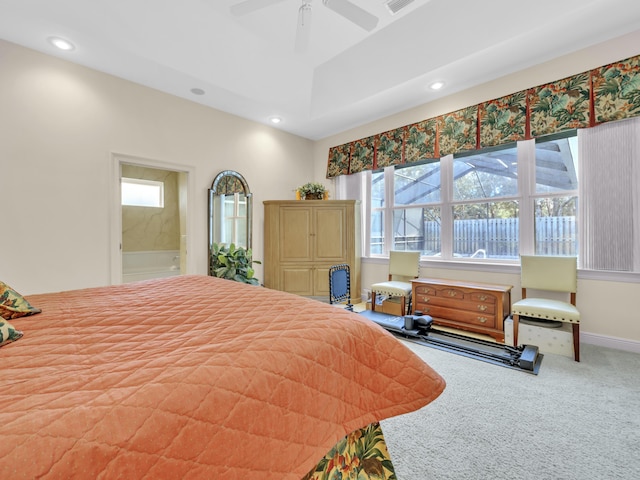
(197, 91)
(275, 120)
(436, 85)
(61, 43)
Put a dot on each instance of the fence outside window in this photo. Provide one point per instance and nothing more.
(493, 238)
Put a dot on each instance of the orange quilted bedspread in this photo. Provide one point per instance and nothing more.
(194, 377)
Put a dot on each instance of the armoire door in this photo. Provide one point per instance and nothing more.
(295, 235)
(329, 237)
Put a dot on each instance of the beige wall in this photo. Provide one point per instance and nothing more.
(60, 123)
(609, 315)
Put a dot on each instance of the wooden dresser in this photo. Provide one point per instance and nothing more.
(472, 306)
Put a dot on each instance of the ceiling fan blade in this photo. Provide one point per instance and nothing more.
(304, 28)
(249, 6)
(352, 12)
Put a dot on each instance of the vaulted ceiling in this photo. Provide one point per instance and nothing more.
(246, 64)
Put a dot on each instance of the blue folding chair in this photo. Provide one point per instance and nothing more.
(340, 285)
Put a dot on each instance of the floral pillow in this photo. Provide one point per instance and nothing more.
(13, 305)
(8, 333)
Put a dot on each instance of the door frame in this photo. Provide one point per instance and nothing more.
(117, 159)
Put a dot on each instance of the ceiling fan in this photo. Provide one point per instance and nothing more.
(345, 8)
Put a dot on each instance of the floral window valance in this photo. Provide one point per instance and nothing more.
(605, 94)
(362, 155)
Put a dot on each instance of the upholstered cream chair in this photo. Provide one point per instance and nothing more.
(403, 266)
(550, 274)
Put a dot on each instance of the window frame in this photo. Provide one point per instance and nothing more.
(144, 182)
(525, 198)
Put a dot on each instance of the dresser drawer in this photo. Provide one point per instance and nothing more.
(450, 292)
(483, 297)
(464, 294)
(466, 317)
(425, 290)
(466, 302)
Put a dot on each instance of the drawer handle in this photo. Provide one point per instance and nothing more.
(452, 293)
(425, 299)
(483, 319)
(483, 298)
(482, 308)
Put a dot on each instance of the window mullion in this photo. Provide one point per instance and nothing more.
(366, 203)
(446, 211)
(389, 196)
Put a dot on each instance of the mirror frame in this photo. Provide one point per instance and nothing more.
(228, 182)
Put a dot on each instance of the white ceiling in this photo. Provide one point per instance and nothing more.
(247, 66)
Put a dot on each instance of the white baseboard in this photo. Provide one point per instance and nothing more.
(610, 342)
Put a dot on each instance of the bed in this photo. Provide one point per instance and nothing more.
(197, 377)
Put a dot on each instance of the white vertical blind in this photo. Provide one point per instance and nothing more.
(349, 187)
(609, 184)
(527, 189)
(355, 187)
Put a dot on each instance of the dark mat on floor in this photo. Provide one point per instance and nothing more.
(525, 358)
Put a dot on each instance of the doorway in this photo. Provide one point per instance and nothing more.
(151, 242)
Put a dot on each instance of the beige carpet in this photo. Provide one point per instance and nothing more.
(573, 421)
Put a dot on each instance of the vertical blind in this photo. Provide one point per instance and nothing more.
(609, 180)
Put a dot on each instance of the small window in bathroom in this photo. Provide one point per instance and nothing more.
(142, 193)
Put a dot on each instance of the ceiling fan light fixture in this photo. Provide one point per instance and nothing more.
(344, 8)
(303, 31)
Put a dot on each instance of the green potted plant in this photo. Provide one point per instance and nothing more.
(232, 263)
(312, 191)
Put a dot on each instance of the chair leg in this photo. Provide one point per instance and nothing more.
(403, 306)
(516, 323)
(373, 301)
(576, 341)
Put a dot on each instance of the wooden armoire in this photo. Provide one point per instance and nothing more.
(304, 238)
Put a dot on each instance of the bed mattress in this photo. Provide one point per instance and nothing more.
(194, 377)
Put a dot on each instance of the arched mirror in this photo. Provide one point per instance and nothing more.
(230, 210)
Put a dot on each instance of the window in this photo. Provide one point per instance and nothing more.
(416, 218)
(555, 197)
(142, 193)
(377, 213)
(492, 204)
(485, 204)
(234, 215)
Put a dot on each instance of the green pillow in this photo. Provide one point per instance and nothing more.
(8, 333)
(13, 305)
